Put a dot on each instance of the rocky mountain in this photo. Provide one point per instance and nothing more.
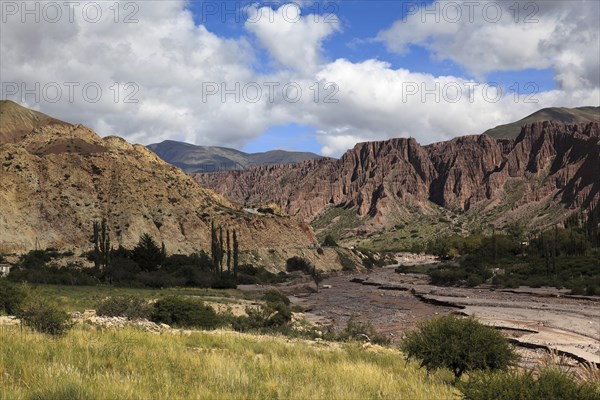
(548, 170)
(577, 115)
(192, 158)
(58, 178)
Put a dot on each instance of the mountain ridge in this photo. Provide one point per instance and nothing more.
(193, 158)
(560, 114)
(550, 164)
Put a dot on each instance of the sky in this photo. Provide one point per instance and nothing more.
(305, 75)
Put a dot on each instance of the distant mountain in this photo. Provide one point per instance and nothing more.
(192, 158)
(579, 115)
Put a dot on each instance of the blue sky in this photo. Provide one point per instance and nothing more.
(361, 21)
(383, 59)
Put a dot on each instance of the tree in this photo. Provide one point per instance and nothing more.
(228, 252)
(316, 276)
(101, 240)
(461, 345)
(147, 254)
(236, 259)
(221, 250)
(329, 241)
(516, 230)
(214, 250)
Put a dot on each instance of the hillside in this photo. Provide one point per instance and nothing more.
(464, 183)
(577, 115)
(16, 121)
(192, 158)
(59, 178)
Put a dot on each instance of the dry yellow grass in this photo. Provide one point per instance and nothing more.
(130, 364)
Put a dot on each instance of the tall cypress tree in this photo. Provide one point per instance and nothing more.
(228, 252)
(101, 240)
(221, 250)
(235, 255)
(213, 246)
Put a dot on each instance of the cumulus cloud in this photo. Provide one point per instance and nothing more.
(379, 102)
(293, 40)
(507, 36)
(190, 84)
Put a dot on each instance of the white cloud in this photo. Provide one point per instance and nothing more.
(508, 36)
(173, 62)
(295, 41)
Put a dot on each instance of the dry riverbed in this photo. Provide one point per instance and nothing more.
(394, 303)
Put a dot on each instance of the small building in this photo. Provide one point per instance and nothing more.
(4, 269)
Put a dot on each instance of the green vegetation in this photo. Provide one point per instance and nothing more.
(130, 364)
(80, 298)
(131, 307)
(11, 297)
(46, 317)
(566, 257)
(551, 383)
(329, 241)
(303, 265)
(461, 345)
(335, 223)
(184, 313)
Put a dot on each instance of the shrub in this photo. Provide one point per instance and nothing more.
(298, 264)
(347, 263)
(550, 384)
(270, 317)
(329, 241)
(275, 296)
(11, 297)
(34, 259)
(356, 330)
(124, 306)
(184, 312)
(460, 345)
(273, 316)
(224, 282)
(45, 317)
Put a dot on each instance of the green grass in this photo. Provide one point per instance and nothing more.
(79, 298)
(131, 364)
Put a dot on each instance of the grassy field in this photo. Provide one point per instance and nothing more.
(79, 298)
(131, 364)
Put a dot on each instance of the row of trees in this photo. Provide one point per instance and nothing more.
(224, 252)
(150, 257)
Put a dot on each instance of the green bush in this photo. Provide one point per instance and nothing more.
(184, 312)
(273, 316)
(329, 241)
(347, 263)
(275, 296)
(461, 345)
(356, 330)
(11, 297)
(45, 317)
(224, 282)
(550, 384)
(298, 264)
(124, 306)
